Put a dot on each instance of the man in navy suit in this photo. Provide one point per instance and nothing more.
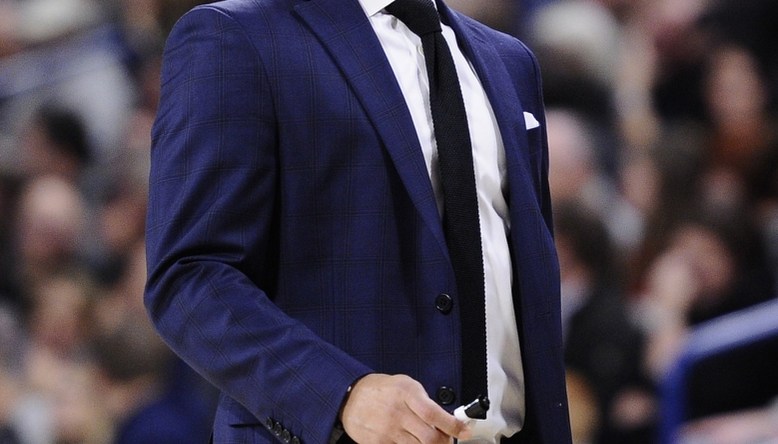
(296, 254)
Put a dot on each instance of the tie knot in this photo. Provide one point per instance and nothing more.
(420, 16)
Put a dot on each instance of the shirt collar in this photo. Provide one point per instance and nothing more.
(373, 7)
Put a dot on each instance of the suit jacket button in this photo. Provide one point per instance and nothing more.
(286, 436)
(295, 440)
(445, 395)
(444, 303)
(269, 423)
(277, 428)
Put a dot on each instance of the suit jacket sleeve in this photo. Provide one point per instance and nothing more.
(211, 234)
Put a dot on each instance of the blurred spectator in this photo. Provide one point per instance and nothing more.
(77, 405)
(121, 222)
(59, 316)
(661, 185)
(54, 397)
(601, 344)
(680, 49)
(575, 42)
(743, 142)
(134, 365)
(575, 172)
(749, 24)
(50, 229)
(711, 264)
(68, 56)
(580, 35)
(124, 297)
(55, 144)
(736, 97)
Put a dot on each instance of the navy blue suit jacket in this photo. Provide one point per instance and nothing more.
(294, 242)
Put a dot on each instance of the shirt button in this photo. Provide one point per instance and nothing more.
(445, 395)
(444, 303)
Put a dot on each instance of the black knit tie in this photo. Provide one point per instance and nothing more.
(460, 204)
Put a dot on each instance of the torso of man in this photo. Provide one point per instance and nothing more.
(504, 368)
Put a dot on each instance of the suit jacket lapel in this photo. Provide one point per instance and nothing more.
(342, 27)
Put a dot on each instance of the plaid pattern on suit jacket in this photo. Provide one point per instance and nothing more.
(293, 238)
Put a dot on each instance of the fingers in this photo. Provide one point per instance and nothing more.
(420, 432)
(433, 415)
(396, 409)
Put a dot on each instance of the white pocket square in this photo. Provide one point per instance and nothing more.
(530, 121)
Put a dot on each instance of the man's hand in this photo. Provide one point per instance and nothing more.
(396, 409)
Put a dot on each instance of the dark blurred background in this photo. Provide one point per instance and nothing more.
(664, 176)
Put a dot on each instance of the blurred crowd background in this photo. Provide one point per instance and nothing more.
(664, 176)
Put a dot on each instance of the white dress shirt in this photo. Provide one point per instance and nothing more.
(504, 369)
